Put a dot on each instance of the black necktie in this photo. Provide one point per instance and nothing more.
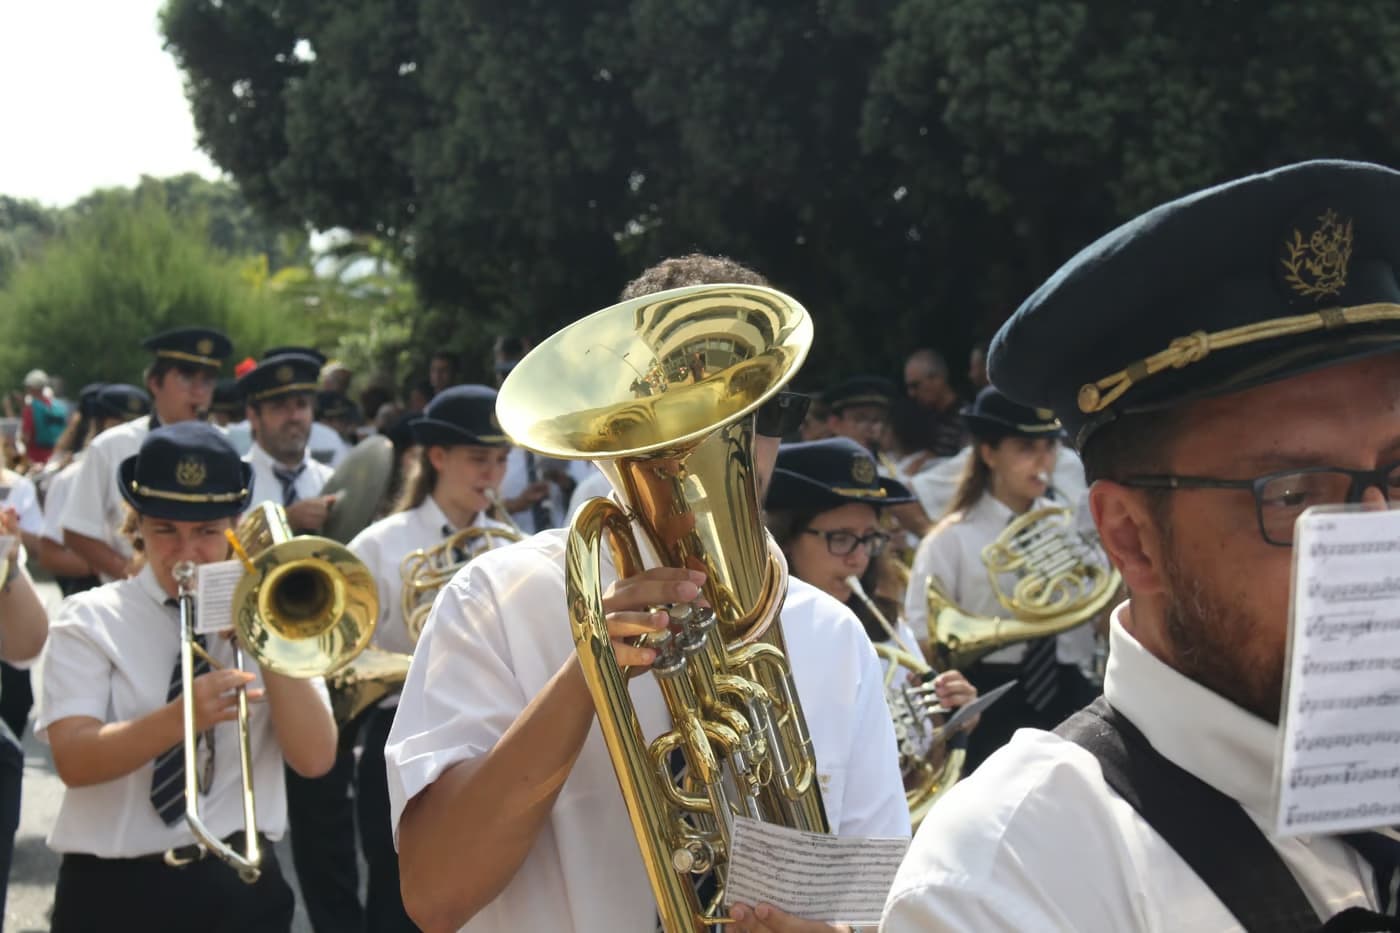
(538, 510)
(168, 781)
(458, 554)
(1383, 854)
(288, 479)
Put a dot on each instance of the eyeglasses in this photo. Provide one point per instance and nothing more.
(782, 414)
(841, 543)
(1280, 498)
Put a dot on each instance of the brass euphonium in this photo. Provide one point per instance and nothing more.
(1063, 580)
(305, 607)
(930, 759)
(659, 392)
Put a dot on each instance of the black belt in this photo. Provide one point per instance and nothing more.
(180, 856)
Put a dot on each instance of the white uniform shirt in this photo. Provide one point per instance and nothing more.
(110, 656)
(591, 486)
(326, 446)
(59, 488)
(240, 435)
(384, 545)
(517, 477)
(95, 506)
(494, 640)
(937, 482)
(24, 499)
(268, 488)
(952, 553)
(1036, 840)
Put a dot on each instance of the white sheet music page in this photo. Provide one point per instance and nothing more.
(835, 879)
(1339, 765)
(214, 596)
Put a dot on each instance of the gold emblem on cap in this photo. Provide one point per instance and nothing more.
(1045, 414)
(284, 374)
(863, 470)
(1317, 266)
(190, 472)
(205, 346)
(133, 404)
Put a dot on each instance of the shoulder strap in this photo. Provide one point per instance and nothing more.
(1210, 831)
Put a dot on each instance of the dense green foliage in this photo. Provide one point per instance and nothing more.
(917, 163)
(124, 267)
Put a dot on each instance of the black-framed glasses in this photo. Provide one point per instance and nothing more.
(840, 543)
(1279, 498)
(782, 414)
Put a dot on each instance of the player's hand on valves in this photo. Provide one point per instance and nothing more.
(632, 609)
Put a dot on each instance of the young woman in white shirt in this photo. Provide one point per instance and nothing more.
(111, 712)
(460, 468)
(1013, 455)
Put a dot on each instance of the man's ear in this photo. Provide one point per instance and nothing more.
(1131, 535)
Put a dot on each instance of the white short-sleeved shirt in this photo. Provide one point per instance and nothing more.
(24, 499)
(493, 643)
(952, 553)
(517, 477)
(384, 545)
(59, 488)
(937, 482)
(95, 506)
(1036, 840)
(268, 488)
(110, 656)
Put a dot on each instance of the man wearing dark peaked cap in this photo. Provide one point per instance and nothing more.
(1222, 362)
(184, 366)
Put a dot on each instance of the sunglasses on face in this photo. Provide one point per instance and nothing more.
(782, 414)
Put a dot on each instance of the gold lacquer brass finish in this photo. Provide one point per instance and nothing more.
(427, 570)
(658, 391)
(1063, 580)
(930, 758)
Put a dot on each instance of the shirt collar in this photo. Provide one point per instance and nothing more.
(1224, 745)
(261, 458)
(147, 582)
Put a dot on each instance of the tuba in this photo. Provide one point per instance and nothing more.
(305, 607)
(658, 392)
(1063, 579)
(930, 759)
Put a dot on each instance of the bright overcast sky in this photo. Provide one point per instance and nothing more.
(88, 99)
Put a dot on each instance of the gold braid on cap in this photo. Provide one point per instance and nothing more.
(1183, 351)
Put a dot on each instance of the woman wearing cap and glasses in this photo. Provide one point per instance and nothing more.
(110, 710)
(1008, 473)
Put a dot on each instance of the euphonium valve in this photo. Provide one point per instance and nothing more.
(658, 392)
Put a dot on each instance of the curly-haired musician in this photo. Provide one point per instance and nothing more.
(110, 711)
(505, 802)
(1223, 362)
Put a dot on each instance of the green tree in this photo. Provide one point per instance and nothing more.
(910, 168)
(123, 269)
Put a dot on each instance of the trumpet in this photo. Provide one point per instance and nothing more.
(305, 607)
(929, 759)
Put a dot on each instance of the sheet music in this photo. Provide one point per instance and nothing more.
(214, 596)
(1339, 765)
(836, 879)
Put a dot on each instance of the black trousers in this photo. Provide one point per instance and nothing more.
(11, 776)
(95, 895)
(321, 820)
(16, 698)
(1012, 712)
(384, 905)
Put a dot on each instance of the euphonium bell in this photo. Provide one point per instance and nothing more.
(658, 392)
(1063, 580)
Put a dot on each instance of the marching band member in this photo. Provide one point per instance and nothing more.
(462, 460)
(111, 713)
(859, 408)
(504, 800)
(181, 382)
(278, 396)
(1224, 362)
(1007, 475)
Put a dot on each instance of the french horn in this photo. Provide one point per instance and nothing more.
(659, 392)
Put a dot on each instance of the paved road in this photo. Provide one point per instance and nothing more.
(35, 867)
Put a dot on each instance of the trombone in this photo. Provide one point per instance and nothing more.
(305, 607)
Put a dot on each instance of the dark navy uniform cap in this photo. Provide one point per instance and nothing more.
(198, 346)
(859, 390)
(464, 414)
(186, 472)
(87, 399)
(285, 374)
(118, 400)
(227, 399)
(992, 415)
(336, 405)
(830, 473)
(312, 352)
(1259, 279)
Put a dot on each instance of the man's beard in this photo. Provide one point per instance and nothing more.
(287, 445)
(1211, 641)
